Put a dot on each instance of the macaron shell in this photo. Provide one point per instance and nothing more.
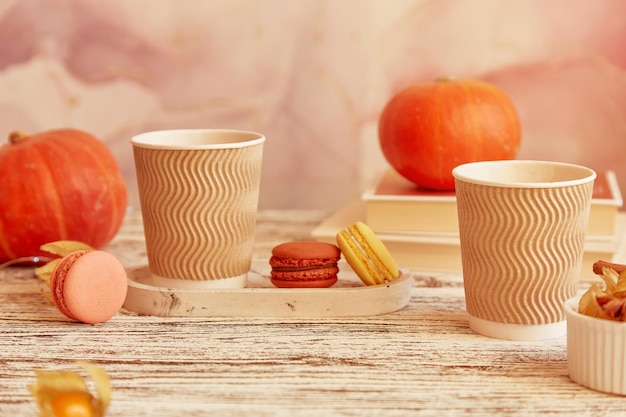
(325, 283)
(306, 250)
(356, 258)
(92, 289)
(376, 251)
(57, 280)
(367, 255)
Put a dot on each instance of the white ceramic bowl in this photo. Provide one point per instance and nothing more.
(596, 351)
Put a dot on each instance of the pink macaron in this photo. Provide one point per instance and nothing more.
(89, 286)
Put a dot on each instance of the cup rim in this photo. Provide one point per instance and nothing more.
(197, 139)
(468, 173)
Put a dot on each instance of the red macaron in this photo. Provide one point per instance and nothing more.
(89, 286)
(304, 264)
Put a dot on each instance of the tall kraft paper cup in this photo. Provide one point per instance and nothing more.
(199, 191)
(522, 227)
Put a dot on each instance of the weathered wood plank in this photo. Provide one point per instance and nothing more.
(422, 360)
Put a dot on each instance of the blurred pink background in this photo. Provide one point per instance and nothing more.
(312, 75)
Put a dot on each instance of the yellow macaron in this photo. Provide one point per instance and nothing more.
(367, 255)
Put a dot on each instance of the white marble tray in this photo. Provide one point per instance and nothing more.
(348, 297)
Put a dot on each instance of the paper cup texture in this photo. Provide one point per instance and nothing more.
(522, 227)
(199, 200)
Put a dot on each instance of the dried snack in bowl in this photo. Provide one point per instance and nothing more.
(607, 303)
(66, 393)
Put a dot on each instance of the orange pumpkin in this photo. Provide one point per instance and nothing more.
(428, 129)
(60, 184)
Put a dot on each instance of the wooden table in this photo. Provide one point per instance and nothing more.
(421, 360)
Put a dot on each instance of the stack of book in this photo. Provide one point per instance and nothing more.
(420, 227)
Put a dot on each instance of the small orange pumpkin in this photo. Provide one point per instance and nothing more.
(428, 129)
(61, 184)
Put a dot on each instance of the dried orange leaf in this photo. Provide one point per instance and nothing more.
(44, 272)
(610, 276)
(613, 306)
(51, 384)
(607, 303)
(586, 301)
(59, 381)
(57, 389)
(588, 304)
(620, 289)
(64, 247)
(60, 248)
(101, 381)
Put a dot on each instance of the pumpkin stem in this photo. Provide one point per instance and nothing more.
(17, 137)
(24, 260)
(445, 78)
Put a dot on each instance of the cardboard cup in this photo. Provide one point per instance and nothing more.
(199, 191)
(522, 228)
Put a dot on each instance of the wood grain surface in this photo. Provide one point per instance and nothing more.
(422, 360)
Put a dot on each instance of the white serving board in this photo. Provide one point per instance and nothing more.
(348, 297)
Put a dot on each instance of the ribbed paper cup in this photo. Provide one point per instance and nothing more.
(522, 229)
(199, 194)
(595, 351)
